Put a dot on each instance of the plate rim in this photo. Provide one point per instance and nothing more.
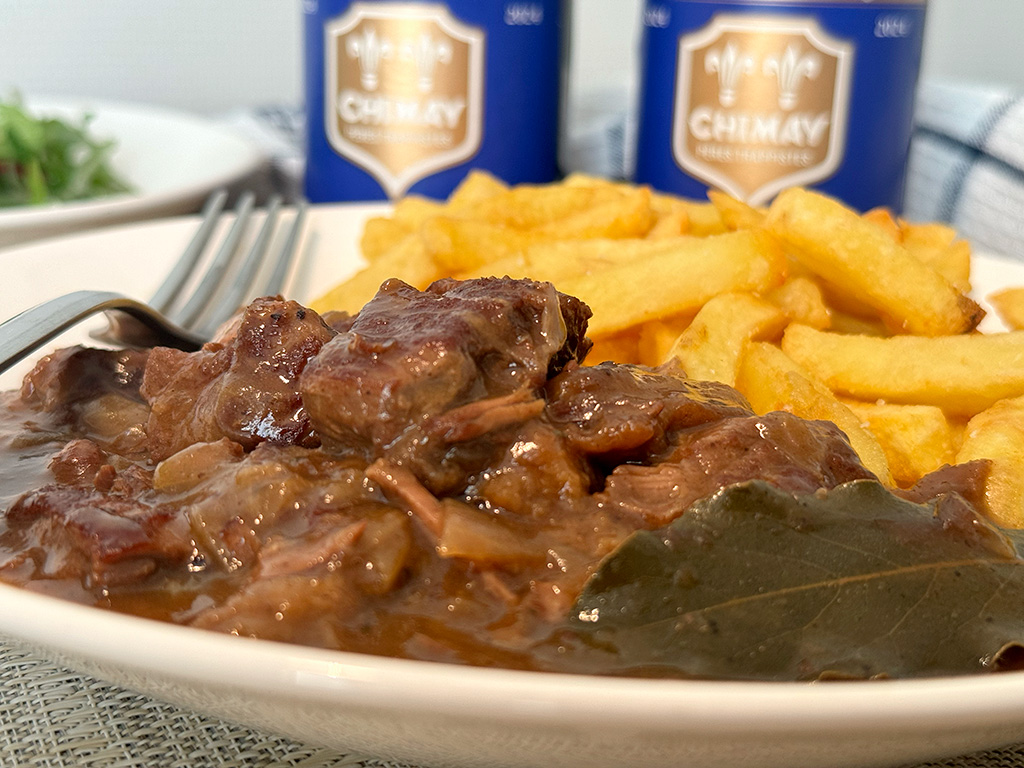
(343, 678)
(249, 158)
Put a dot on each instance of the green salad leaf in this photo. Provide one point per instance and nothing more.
(47, 159)
(755, 583)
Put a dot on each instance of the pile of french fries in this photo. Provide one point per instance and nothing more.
(805, 306)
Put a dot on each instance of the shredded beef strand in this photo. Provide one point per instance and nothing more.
(401, 484)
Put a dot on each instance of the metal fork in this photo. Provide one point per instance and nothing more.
(183, 313)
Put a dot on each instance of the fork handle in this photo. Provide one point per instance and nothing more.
(26, 332)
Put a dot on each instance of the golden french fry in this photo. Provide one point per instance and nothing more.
(558, 260)
(771, 381)
(580, 179)
(916, 439)
(711, 347)
(801, 299)
(465, 245)
(413, 210)
(478, 185)
(533, 205)
(735, 213)
(958, 429)
(678, 282)
(381, 234)
(928, 235)
(1009, 305)
(997, 434)
(703, 218)
(621, 347)
(626, 216)
(408, 261)
(883, 218)
(656, 338)
(511, 265)
(840, 300)
(961, 374)
(854, 325)
(669, 224)
(859, 257)
(936, 245)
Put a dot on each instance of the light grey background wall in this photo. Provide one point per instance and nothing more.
(213, 56)
(201, 55)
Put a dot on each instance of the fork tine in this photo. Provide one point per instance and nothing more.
(172, 284)
(143, 325)
(242, 281)
(275, 282)
(204, 291)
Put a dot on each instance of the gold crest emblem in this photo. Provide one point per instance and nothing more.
(403, 89)
(761, 104)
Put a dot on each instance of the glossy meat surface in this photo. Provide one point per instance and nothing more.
(421, 376)
(243, 387)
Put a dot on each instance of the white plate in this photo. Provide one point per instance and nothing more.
(447, 715)
(172, 160)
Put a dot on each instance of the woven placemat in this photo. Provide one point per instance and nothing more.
(51, 717)
(1010, 757)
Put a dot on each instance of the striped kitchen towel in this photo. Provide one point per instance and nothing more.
(966, 163)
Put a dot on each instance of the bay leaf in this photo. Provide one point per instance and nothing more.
(756, 583)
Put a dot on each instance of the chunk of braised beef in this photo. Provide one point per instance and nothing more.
(339, 320)
(630, 413)
(176, 384)
(966, 480)
(412, 355)
(78, 463)
(958, 492)
(78, 532)
(437, 380)
(244, 388)
(793, 454)
(73, 374)
(575, 315)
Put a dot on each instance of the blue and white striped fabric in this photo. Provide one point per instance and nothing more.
(967, 163)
